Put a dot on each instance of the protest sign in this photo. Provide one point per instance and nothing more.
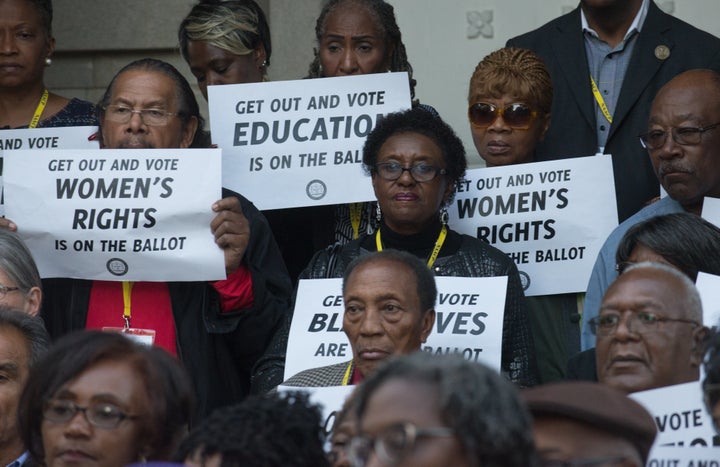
(680, 415)
(708, 286)
(116, 214)
(72, 137)
(711, 210)
(551, 217)
(468, 321)
(299, 143)
(671, 456)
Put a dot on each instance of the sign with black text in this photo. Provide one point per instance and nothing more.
(72, 137)
(468, 321)
(680, 415)
(551, 217)
(117, 214)
(299, 143)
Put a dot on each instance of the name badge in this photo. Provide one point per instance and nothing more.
(141, 336)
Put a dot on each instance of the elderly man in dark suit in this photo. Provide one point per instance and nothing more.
(389, 301)
(630, 49)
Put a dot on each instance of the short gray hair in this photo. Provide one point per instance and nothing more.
(17, 261)
(31, 327)
(483, 409)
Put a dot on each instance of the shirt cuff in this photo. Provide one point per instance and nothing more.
(236, 292)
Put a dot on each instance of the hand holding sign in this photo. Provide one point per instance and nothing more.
(231, 230)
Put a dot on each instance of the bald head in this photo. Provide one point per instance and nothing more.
(649, 329)
(683, 139)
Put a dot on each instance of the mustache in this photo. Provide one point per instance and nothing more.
(671, 167)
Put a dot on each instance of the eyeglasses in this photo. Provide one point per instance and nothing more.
(640, 323)
(583, 462)
(517, 116)
(393, 444)
(391, 171)
(684, 135)
(4, 289)
(99, 414)
(151, 117)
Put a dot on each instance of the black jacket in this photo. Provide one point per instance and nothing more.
(218, 349)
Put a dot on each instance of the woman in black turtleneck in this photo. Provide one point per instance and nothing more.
(416, 161)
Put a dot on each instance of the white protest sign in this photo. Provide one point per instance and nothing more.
(679, 414)
(551, 217)
(708, 286)
(117, 214)
(711, 210)
(72, 137)
(299, 143)
(330, 398)
(671, 456)
(468, 321)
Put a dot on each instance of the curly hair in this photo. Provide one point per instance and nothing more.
(481, 407)
(271, 430)
(517, 72)
(236, 26)
(385, 21)
(418, 120)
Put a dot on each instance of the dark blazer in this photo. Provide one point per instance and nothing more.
(560, 44)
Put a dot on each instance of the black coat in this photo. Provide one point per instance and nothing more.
(560, 44)
(218, 349)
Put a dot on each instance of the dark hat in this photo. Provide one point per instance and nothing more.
(597, 405)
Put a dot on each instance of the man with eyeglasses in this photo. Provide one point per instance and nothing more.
(217, 329)
(607, 60)
(588, 424)
(683, 141)
(649, 330)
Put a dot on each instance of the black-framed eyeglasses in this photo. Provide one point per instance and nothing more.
(100, 414)
(517, 116)
(4, 289)
(391, 171)
(684, 135)
(639, 322)
(608, 461)
(393, 444)
(151, 117)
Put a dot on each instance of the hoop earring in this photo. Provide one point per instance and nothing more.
(444, 216)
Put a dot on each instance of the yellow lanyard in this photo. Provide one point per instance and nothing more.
(355, 216)
(39, 110)
(436, 248)
(348, 374)
(600, 100)
(127, 295)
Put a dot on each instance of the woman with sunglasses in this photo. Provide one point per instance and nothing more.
(509, 102)
(99, 399)
(416, 163)
(509, 106)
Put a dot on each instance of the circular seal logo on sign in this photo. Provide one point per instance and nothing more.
(524, 280)
(117, 267)
(316, 189)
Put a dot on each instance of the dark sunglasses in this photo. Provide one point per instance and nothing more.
(517, 116)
